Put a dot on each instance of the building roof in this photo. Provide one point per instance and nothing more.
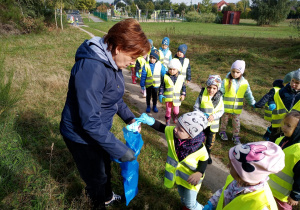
(222, 3)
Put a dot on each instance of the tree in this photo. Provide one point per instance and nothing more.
(102, 8)
(133, 9)
(214, 9)
(182, 7)
(207, 6)
(266, 12)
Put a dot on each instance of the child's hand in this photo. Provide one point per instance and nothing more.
(292, 202)
(272, 107)
(187, 82)
(137, 75)
(210, 118)
(182, 97)
(160, 97)
(134, 126)
(194, 178)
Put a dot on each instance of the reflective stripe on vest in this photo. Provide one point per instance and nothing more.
(172, 92)
(165, 59)
(282, 183)
(233, 102)
(155, 78)
(183, 69)
(207, 107)
(280, 111)
(178, 172)
(258, 199)
(268, 113)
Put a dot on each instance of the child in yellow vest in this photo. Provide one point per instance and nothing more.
(234, 88)
(210, 102)
(165, 55)
(172, 90)
(151, 79)
(185, 62)
(187, 155)
(247, 187)
(285, 185)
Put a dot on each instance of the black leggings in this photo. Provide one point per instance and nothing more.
(151, 91)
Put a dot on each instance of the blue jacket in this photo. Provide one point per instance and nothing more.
(95, 92)
(144, 74)
(288, 96)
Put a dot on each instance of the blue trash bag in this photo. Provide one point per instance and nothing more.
(130, 170)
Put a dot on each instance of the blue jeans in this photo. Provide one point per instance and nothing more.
(189, 198)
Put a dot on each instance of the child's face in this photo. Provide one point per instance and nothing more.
(235, 73)
(152, 59)
(295, 84)
(289, 125)
(180, 54)
(180, 133)
(164, 46)
(173, 71)
(232, 171)
(212, 90)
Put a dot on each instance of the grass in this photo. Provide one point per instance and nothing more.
(29, 180)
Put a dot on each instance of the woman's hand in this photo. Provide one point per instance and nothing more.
(210, 118)
(194, 178)
(292, 202)
(140, 127)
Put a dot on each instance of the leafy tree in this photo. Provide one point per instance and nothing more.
(207, 6)
(182, 7)
(150, 7)
(175, 8)
(102, 8)
(214, 9)
(267, 12)
(133, 9)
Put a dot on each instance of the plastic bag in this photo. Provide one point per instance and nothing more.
(130, 170)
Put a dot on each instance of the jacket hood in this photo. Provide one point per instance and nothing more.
(278, 83)
(95, 49)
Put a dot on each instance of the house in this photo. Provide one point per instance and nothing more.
(221, 5)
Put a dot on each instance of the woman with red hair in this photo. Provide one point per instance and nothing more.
(96, 87)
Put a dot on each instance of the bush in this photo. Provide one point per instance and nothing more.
(201, 18)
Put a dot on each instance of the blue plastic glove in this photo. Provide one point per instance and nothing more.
(143, 88)
(144, 118)
(208, 206)
(137, 75)
(161, 98)
(133, 127)
(206, 115)
(272, 107)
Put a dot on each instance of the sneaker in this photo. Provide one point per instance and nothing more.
(148, 110)
(155, 109)
(236, 139)
(115, 199)
(223, 135)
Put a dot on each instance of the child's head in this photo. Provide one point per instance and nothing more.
(174, 66)
(154, 56)
(295, 82)
(213, 84)
(237, 69)
(165, 43)
(181, 51)
(190, 125)
(252, 163)
(290, 122)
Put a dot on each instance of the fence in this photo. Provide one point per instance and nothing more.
(102, 15)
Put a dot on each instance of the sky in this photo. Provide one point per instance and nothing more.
(187, 2)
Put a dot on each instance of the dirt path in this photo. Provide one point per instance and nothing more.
(217, 172)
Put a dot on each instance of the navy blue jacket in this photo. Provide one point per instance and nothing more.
(95, 92)
(288, 96)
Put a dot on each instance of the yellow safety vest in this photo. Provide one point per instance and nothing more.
(142, 62)
(183, 69)
(280, 111)
(172, 92)
(165, 59)
(178, 172)
(207, 106)
(155, 78)
(268, 113)
(233, 102)
(256, 200)
(281, 183)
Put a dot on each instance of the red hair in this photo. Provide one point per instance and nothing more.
(127, 36)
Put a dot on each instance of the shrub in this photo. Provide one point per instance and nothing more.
(201, 18)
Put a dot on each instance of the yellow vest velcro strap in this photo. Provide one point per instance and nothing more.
(207, 110)
(279, 111)
(188, 166)
(285, 177)
(176, 100)
(168, 96)
(268, 114)
(169, 89)
(233, 99)
(226, 106)
(278, 188)
(176, 94)
(169, 175)
(172, 162)
(276, 121)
